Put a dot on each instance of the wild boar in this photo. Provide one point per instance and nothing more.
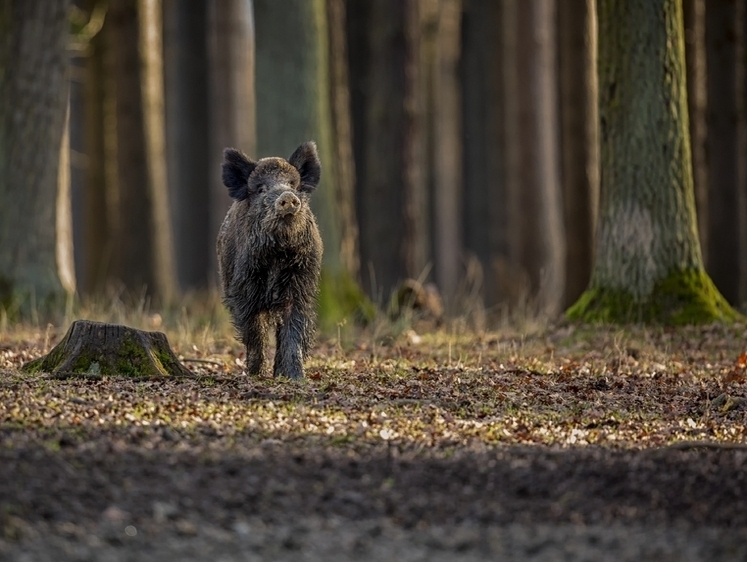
(270, 255)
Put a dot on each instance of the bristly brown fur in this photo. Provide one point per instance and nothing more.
(269, 259)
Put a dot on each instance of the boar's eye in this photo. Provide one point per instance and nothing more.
(261, 188)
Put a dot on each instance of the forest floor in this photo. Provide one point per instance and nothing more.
(568, 443)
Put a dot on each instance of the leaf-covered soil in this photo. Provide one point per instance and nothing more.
(573, 443)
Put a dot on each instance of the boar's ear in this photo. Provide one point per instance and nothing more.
(236, 170)
(306, 160)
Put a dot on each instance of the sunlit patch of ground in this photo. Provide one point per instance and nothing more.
(568, 386)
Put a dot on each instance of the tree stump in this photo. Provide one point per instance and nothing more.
(97, 349)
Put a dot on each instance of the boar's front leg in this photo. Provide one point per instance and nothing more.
(292, 343)
(254, 335)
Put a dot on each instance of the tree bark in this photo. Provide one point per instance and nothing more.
(64, 212)
(648, 265)
(579, 139)
(727, 154)
(390, 188)
(188, 140)
(536, 237)
(299, 70)
(342, 136)
(151, 53)
(100, 187)
(33, 102)
(143, 248)
(232, 100)
(294, 104)
(697, 105)
(95, 349)
(447, 151)
(483, 142)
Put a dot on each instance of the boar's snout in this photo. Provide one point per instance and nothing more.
(287, 204)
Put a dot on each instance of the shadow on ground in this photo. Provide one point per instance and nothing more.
(92, 500)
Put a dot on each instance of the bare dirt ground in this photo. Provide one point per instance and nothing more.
(568, 444)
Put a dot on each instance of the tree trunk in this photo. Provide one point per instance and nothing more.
(342, 136)
(579, 139)
(151, 53)
(95, 349)
(188, 140)
(64, 213)
(293, 96)
(390, 183)
(725, 55)
(697, 105)
(483, 142)
(446, 148)
(33, 102)
(232, 106)
(536, 237)
(294, 105)
(100, 187)
(144, 248)
(648, 265)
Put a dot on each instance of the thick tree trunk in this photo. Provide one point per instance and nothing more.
(95, 349)
(727, 145)
(188, 139)
(33, 102)
(579, 139)
(144, 248)
(483, 142)
(648, 265)
(536, 237)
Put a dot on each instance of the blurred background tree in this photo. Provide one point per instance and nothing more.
(388, 117)
(579, 139)
(35, 236)
(459, 139)
(726, 145)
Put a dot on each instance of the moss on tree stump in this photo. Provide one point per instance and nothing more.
(98, 349)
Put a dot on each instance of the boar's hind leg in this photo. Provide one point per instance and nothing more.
(254, 336)
(291, 343)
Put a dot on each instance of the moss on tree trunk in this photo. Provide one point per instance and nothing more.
(648, 264)
(684, 297)
(98, 349)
